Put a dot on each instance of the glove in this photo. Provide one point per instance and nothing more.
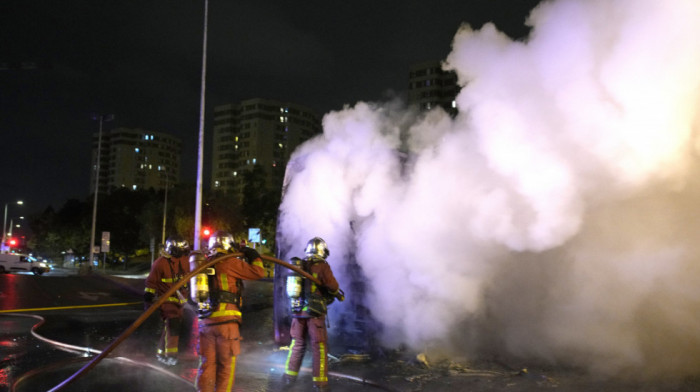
(340, 295)
(250, 254)
(147, 300)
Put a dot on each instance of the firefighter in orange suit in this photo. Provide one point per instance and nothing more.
(168, 269)
(309, 316)
(219, 336)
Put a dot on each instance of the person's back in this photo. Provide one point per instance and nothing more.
(310, 318)
(219, 334)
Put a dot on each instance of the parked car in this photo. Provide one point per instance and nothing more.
(10, 262)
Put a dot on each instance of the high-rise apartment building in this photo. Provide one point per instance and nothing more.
(136, 159)
(257, 132)
(430, 86)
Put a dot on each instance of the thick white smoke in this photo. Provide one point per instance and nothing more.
(556, 217)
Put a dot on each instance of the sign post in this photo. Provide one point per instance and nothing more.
(104, 247)
(254, 235)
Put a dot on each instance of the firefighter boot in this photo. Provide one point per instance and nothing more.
(288, 382)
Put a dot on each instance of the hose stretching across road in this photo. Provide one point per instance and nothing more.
(159, 302)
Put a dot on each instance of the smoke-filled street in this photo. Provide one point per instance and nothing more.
(37, 363)
(554, 218)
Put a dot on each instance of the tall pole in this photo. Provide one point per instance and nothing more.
(4, 224)
(165, 206)
(4, 227)
(200, 151)
(101, 119)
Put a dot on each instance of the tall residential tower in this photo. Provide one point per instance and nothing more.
(429, 86)
(257, 132)
(136, 159)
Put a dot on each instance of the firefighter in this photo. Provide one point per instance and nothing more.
(169, 268)
(219, 335)
(309, 315)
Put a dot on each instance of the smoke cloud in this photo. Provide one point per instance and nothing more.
(555, 217)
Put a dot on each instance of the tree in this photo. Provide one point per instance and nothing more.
(260, 205)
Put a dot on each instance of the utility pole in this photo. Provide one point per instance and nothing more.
(101, 118)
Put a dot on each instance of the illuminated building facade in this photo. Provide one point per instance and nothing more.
(136, 159)
(259, 132)
(429, 86)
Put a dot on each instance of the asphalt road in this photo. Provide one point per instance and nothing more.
(75, 317)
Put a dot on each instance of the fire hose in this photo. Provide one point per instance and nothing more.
(156, 304)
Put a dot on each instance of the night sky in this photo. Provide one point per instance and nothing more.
(63, 61)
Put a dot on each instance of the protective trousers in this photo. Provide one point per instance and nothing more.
(316, 329)
(172, 316)
(219, 345)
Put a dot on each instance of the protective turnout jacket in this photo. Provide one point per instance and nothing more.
(321, 270)
(229, 274)
(165, 272)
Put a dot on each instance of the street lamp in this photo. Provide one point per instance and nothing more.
(101, 118)
(165, 205)
(4, 222)
(200, 148)
(13, 225)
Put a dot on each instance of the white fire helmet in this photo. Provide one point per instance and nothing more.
(176, 246)
(221, 241)
(317, 246)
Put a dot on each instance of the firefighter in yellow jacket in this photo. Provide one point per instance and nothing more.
(219, 335)
(168, 269)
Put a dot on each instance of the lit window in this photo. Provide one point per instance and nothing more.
(136, 149)
(254, 161)
(216, 184)
(235, 173)
(454, 104)
(236, 138)
(281, 145)
(133, 187)
(145, 137)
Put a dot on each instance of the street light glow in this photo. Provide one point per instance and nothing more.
(4, 223)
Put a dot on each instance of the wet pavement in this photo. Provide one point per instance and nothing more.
(63, 342)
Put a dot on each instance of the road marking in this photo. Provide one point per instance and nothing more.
(67, 307)
(92, 296)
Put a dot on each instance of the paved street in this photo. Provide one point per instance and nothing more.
(76, 316)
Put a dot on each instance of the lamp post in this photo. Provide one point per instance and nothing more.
(101, 118)
(165, 206)
(200, 150)
(4, 222)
